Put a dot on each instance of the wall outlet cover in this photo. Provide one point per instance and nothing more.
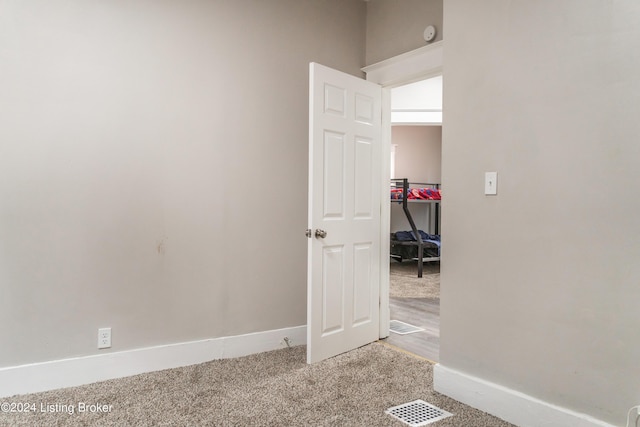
(104, 337)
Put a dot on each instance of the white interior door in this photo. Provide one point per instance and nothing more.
(343, 305)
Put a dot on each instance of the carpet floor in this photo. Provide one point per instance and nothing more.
(405, 283)
(275, 388)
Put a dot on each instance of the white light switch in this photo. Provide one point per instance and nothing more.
(491, 183)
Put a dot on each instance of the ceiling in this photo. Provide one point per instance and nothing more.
(418, 103)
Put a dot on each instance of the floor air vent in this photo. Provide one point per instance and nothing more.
(417, 413)
(403, 328)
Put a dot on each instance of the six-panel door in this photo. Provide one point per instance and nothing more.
(344, 203)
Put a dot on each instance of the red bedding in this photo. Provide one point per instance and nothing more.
(417, 194)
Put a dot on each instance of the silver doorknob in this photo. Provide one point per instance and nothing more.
(320, 234)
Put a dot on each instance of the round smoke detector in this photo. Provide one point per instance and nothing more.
(429, 33)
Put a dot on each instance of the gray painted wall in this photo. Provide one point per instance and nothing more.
(418, 152)
(397, 26)
(153, 162)
(540, 283)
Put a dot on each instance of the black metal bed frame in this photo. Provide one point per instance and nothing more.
(419, 243)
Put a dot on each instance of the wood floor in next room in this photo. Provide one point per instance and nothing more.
(416, 301)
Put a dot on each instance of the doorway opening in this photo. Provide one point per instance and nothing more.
(416, 155)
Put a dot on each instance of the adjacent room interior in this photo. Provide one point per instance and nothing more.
(416, 156)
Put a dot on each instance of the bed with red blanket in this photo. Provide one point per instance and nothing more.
(416, 244)
(425, 193)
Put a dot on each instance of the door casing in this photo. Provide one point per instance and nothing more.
(410, 67)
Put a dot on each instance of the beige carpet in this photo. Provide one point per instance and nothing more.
(404, 281)
(269, 389)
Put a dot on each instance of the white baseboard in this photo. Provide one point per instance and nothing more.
(72, 372)
(507, 404)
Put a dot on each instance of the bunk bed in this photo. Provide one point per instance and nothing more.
(415, 244)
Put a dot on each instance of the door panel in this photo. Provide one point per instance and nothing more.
(344, 201)
(363, 175)
(334, 174)
(365, 107)
(333, 290)
(361, 283)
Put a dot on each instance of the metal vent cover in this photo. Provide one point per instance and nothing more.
(417, 413)
(403, 328)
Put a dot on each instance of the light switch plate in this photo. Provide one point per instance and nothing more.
(491, 183)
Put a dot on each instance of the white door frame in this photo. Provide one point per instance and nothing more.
(419, 64)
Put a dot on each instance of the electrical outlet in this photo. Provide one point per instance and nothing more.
(104, 337)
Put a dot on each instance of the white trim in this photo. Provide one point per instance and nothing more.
(403, 69)
(72, 372)
(409, 67)
(385, 212)
(510, 405)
